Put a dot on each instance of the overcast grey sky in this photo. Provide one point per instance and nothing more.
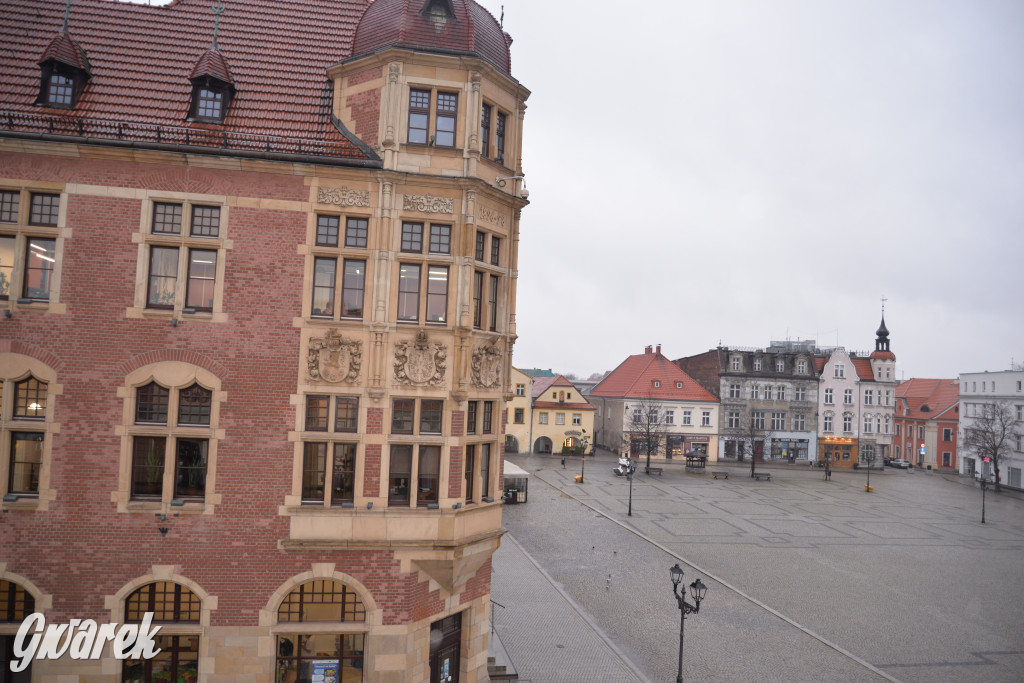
(743, 171)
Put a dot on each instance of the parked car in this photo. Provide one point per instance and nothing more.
(900, 463)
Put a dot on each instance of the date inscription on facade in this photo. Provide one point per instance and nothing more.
(492, 217)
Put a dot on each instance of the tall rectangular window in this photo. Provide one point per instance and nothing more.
(492, 304)
(437, 294)
(202, 276)
(757, 419)
(495, 249)
(163, 277)
(428, 475)
(485, 470)
(40, 257)
(447, 109)
(317, 408)
(147, 466)
(470, 471)
(827, 423)
(409, 292)
(734, 391)
(847, 423)
(353, 289)
(478, 295)
(26, 462)
(355, 233)
(480, 245)
(499, 139)
(190, 468)
(733, 419)
(343, 474)
(800, 393)
(400, 475)
(419, 116)
(323, 287)
(314, 471)
(778, 421)
(488, 415)
(485, 131)
(7, 249)
(705, 418)
(471, 410)
(799, 423)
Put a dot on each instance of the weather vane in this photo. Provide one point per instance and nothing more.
(883, 304)
(67, 11)
(218, 10)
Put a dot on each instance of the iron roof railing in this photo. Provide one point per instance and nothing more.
(164, 137)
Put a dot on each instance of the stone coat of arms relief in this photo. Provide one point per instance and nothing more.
(332, 359)
(421, 361)
(487, 360)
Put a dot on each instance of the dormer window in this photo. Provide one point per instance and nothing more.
(210, 100)
(61, 85)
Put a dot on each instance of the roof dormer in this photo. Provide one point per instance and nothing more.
(65, 71)
(212, 88)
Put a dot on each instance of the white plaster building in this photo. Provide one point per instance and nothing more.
(978, 388)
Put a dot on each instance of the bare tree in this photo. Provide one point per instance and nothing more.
(644, 428)
(992, 433)
(752, 436)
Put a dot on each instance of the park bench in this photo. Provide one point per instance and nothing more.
(716, 475)
(654, 470)
(762, 475)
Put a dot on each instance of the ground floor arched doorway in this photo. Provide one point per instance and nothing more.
(542, 445)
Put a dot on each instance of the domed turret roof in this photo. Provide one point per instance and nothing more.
(445, 26)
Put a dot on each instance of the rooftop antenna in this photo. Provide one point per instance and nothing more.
(218, 10)
(67, 11)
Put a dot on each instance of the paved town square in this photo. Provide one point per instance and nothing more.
(808, 579)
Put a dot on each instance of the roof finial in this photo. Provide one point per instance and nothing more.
(67, 11)
(502, 17)
(883, 305)
(218, 10)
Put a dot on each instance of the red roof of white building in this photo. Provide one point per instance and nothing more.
(651, 375)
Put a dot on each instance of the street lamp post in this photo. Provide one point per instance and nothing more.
(697, 590)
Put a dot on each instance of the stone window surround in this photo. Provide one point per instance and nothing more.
(145, 239)
(22, 231)
(175, 375)
(15, 367)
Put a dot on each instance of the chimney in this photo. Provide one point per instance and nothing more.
(658, 350)
(647, 350)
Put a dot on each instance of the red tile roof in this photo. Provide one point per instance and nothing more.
(211, 63)
(863, 367)
(635, 377)
(66, 51)
(939, 395)
(403, 23)
(141, 58)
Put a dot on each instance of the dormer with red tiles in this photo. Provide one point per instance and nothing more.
(429, 86)
(65, 72)
(212, 88)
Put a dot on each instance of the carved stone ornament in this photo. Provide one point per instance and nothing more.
(342, 196)
(487, 365)
(428, 203)
(332, 359)
(492, 217)
(420, 362)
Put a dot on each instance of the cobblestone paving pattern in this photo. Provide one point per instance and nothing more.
(545, 635)
(904, 580)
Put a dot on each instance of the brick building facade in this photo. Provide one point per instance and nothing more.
(259, 292)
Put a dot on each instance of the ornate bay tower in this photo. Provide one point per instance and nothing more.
(259, 308)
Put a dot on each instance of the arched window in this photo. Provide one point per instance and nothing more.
(304, 656)
(178, 659)
(27, 390)
(170, 438)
